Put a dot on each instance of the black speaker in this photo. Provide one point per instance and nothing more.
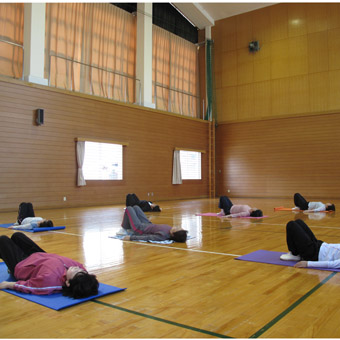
(40, 117)
(254, 46)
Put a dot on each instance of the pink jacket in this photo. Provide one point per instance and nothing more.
(240, 211)
(42, 273)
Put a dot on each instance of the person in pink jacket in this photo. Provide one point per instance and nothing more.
(41, 273)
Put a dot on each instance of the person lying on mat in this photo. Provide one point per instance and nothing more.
(302, 204)
(41, 273)
(31, 223)
(228, 209)
(304, 247)
(134, 220)
(132, 199)
(27, 220)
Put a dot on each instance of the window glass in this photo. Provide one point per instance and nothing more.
(190, 164)
(103, 161)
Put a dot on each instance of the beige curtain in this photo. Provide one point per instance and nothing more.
(91, 48)
(80, 161)
(175, 73)
(176, 168)
(160, 67)
(11, 31)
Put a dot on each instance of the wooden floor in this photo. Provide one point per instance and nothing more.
(192, 290)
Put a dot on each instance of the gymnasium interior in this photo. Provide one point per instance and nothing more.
(249, 92)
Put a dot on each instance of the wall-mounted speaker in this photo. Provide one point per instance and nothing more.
(40, 117)
(254, 46)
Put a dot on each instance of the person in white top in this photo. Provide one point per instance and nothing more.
(26, 218)
(31, 223)
(305, 248)
(302, 204)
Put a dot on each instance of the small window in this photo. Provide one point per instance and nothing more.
(190, 164)
(103, 161)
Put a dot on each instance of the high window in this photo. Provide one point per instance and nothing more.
(11, 39)
(174, 73)
(91, 48)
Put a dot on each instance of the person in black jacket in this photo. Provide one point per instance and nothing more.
(132, 200)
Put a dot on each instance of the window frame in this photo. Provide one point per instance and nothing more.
(192, 150)
(102, 141)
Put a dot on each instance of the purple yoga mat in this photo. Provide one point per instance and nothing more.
(273, 257)
(216, 214)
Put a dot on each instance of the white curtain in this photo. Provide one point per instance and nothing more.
(80, 160)
(176, 170)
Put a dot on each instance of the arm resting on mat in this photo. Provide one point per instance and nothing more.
(22, 226)
(241, 214)
(324, 264)
(318, 264)
(6, 285)
(147, 237)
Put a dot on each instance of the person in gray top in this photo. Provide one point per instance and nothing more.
(142, 229)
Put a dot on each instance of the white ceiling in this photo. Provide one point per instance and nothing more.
(203, 14)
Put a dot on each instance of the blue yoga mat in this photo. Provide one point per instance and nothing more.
(54, 301)
(34, 230)
(273, 257)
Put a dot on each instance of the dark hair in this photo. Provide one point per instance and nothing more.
(81, 286)
(156, 208)
(46, 224)
(330, 207)
(256, 213)
(179, 236)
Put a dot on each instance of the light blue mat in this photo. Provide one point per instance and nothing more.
(120, 237)
(34, 230)
(55, 301)
(123, 232)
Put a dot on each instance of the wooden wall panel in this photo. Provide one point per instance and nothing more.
(38, 163)
(299, 57)
(278, 157)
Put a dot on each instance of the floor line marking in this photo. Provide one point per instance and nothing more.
(194, 250)
(162, 320)
(291, 307)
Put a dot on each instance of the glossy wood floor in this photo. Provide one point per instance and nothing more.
(192, 290)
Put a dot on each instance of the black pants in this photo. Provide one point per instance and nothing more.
(300, 202)
(225, 204)
(301, 240)
(25, 210)
(15, 249)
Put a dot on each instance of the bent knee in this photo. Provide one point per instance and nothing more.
(4, 238)
(291, 225)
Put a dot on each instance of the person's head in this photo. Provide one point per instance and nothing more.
(155, 208)
(79, 283)
(46, 224)
(256, 213)
(178, 234)
(330, 207)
